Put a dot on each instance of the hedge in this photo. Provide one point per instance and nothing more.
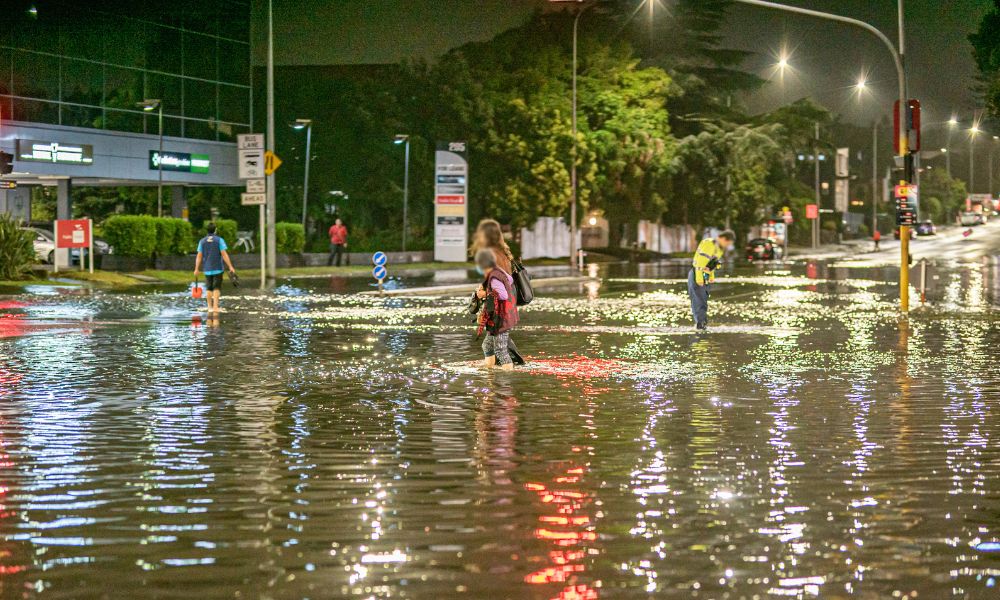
(291, 238)
(224, 228)
(144, 236)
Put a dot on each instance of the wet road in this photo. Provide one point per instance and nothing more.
(322, 445)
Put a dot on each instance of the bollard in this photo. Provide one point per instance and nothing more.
(579, 258)
(923, 280)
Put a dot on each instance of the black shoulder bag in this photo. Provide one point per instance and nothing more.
(522, 284)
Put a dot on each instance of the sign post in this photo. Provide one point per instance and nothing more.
(251, 168)
(74, 233)
(451, 207)
(379, 259)
(787, 217)
(812, 213)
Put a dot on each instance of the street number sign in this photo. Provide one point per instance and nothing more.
(253, 199)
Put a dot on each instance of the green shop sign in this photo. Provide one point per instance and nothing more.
(178, 161)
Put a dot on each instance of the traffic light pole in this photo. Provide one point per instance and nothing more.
(904, 129)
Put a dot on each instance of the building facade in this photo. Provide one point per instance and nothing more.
(74, 77)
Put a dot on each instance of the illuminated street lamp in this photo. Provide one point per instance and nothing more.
(403, 138)
(299, 125)
(149, 105)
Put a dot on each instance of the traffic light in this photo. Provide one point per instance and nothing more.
(6, 163)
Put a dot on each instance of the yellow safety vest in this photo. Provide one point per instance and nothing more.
(707, 250)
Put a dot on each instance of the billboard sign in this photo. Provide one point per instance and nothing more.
(55, 152)
(73, 233)
(451, 207)
(179, 161)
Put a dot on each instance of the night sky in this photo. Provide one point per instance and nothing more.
(827, 57)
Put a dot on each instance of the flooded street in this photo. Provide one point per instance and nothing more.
(321, 444)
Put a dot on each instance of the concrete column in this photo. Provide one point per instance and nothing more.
(64, 210)
(17, 202)
(178, 202)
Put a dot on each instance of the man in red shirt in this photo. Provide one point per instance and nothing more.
(338, 241)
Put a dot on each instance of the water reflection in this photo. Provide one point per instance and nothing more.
(314, 445)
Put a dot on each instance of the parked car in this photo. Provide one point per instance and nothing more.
(45, 246)
(913, 233)
(926, 228)
(970, 219)
(759, 249)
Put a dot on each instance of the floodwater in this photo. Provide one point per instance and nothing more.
(320, 444)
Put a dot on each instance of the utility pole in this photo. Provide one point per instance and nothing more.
(875, 194)
(815, 224)
(271, 236)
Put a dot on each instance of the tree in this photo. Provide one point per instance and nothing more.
(986, 52)
(949, 192)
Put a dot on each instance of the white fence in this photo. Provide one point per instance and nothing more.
(666, 239)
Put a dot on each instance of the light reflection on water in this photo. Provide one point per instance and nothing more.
(316, 446)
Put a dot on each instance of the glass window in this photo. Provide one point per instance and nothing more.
(82, 82)
(199, 99)
(166, 88)
(234, 62)
(83, 37)
(36, 75)
(199, 56)
(163, 50)
(122, 120)
(82, 116)
(234, 104)
(122, 87)
(5, 71)
(126, 43)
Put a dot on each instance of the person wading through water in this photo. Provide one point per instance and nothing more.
(499, 312)
(489, 236)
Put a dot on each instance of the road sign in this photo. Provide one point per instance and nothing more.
(250, 141)
(787, 217)
(253, 199)
(379, 273)
(73, 233)
(8, 185)
(251, 164)
(812, 211)
(256, 186)
(271, 162)
(379, 259)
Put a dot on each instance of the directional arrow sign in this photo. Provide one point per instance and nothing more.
(379, 272)
(379, 259)
(271, 162)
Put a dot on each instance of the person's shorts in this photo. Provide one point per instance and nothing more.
(213, 282)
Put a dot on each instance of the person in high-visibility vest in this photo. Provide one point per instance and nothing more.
(707, 258)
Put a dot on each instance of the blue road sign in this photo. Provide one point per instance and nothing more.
(379, 259)
(379, 272)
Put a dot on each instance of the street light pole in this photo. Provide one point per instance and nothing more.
(149, 105)
(404, 139)
(308, 125)
(972, 158)
(159, 184)
(904, 130)
(875, 193)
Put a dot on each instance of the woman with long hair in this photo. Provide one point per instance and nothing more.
(489, 236)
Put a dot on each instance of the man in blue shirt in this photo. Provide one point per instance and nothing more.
(212, 253)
